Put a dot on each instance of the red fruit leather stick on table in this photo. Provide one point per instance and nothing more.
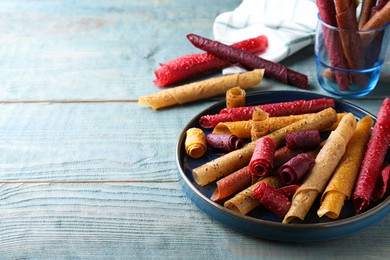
(250, 61)
(191, 65)
(276, 109)
(374, 157)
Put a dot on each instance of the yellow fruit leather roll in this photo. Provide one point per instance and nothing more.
(325, 163)
(241, 129)
(260, 124)
(201, 89)
(195, 143)
(343, 180)
(235, 97)
(231, 162)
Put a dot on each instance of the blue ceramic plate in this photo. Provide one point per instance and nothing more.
(261, 223)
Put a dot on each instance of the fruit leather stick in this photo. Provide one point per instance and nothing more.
(373, 159)
(191, 65)
(351, 42)
(365, 13)
(379, 19)
(250, 61)
(327, 12)
(275, 109)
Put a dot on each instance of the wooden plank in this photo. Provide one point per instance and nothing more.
(90, 142)
(143, 220)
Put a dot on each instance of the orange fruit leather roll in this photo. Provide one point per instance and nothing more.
(235, 97)
(201, 89)
(195, 143)
(325, 163)
(231, 162)
(343, 180)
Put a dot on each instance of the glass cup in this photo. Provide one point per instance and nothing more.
(348, 62)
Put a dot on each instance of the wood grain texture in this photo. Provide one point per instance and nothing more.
(86, 172)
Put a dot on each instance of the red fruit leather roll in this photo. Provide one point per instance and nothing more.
(272, 199)
(233, 183)
(308, 139)
(374, 157)
(289, 190)
(250, 61)
(327, 12)
(224, 142)
(192, 65)
(297, 167)
(381, 184)
(276, 109)
(262, 160)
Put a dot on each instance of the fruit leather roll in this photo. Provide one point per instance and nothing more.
(224, 142)
(195, 143)
(374, 157)
(325, 163)
(344, 178)
(235, 97)
(262, 159)
(201, 89)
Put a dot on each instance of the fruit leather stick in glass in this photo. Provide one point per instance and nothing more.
(230, 162)
(341, 185)
(191, 65)
(275, 109)
(365, 13)
(325, 163)
(350, 39)
(250, 61)
(380, 18)
(373, 159)
(327, 12)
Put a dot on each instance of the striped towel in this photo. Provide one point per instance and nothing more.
(288, 24)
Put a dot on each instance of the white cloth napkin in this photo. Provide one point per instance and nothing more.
(288, 24)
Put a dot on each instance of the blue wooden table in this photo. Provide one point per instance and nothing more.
(85, 171)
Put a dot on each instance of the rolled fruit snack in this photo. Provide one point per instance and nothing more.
(235, 97)
(224, 142)
(195, 142)
(374, 157)
(201, 89)
(341, 185)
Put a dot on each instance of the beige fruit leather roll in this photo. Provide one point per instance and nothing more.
(260, 124)
(202, 89)
(343, 180)
(235, 97)
(237, 159)
(325, 163)
(195, 143)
